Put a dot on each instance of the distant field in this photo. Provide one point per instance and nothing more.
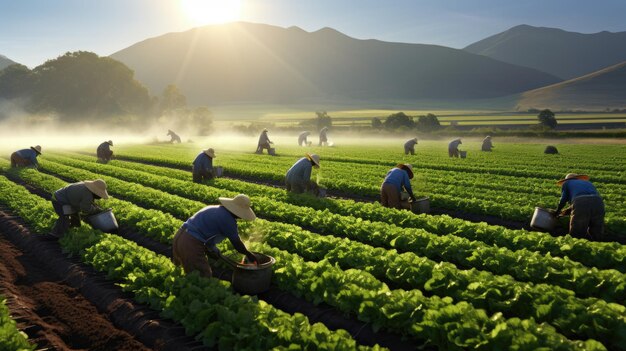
(446, 117)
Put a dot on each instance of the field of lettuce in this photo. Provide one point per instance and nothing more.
(469, 276)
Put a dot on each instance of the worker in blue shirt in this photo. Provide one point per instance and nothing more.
(298, 177)
(203, 166)
(200, 234)
(587, 208)
(26, 157)
(396, 179)
(103, 152)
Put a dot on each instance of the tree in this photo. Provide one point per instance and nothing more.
(398, 120)
(323, 120)
(547, 119)
(376, 123)
(15, 81)
(172, 99)
(202, 120)
(429, 122)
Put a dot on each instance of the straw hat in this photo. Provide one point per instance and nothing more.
(110, 142)
(407, 167)
(98, 187)
(210, 152)
(37, 149)
(488, 137)
(315, 158)
(264, 130)
(572, 176)
(239, 206)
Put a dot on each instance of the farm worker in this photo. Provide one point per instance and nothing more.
(26, 157)
(80, 198)
(200, 234)
(587, 208)
(264, 142)
(323, 136)
(174, 136)
(203, 165)
(302, 141)
(487, 145)
(104, 152)
(453, 147)
(298, 177)
(397, 178)
(409, 146)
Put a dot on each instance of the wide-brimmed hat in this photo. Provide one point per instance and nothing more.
(488, 137)
(210, 152)
(572, 176)
(239, 206)
(315, 158)
(407, 167)
(37, 149)
(459, 140)
(98, 187)
(264, 130)
(110, 142)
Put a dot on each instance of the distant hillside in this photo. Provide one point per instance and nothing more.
(5, 62)
(596, 91)
(563, 54)
(244, 62)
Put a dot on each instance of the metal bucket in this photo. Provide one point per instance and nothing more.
(251, 279)
(421, 205)
(463, 154)
(272, 151)
(219, 170)
(68, 210)
(543, 220)
(104, 221)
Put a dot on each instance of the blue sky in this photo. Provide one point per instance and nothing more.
(32, 31)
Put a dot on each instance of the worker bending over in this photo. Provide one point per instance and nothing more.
(264, 142)
(453, 147)
(409, 146)
(77, 198)
(397, 179)
(487, 144)
(587, 208)
(104, 152)
(298, 177)
(174, 137)
(302, 138)
(203, 166)
(26, 157)
(200, 234)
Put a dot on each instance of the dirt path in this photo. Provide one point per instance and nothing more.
(53, 314)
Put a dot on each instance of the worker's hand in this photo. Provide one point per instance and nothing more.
(566, 212)
(413, 199)
(252, 259)
(213, 252)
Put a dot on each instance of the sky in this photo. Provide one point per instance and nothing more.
(33, 31)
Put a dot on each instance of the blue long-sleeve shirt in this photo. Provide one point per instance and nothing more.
(203, 162)
(103, 147)
(30, 155)
(212, 224)
(398, 178)
(410, 144)
(454, 144)
(300, 172)
(574, 188)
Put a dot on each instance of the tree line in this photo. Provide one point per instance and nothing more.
(82, 87)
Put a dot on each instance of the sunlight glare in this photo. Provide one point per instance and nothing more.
(202, 12)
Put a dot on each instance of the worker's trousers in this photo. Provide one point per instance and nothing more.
(200, 175)
(390, 197)
(587, 218)
(64, 222)
(105, 156)
(19, 161)
(410, 150)
(453, 152)
(311, 187)
(190, 253)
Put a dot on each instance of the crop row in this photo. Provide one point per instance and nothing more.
(354, 290)
(592, 254)
(10, 337)
(206, 307)
(524, 265)
(495, 293)
(362, 181)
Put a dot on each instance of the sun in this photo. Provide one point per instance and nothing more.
(201, 12)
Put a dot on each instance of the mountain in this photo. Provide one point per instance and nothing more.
(5, 62)
(257, 63)
(563, 54)
(596, 91)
